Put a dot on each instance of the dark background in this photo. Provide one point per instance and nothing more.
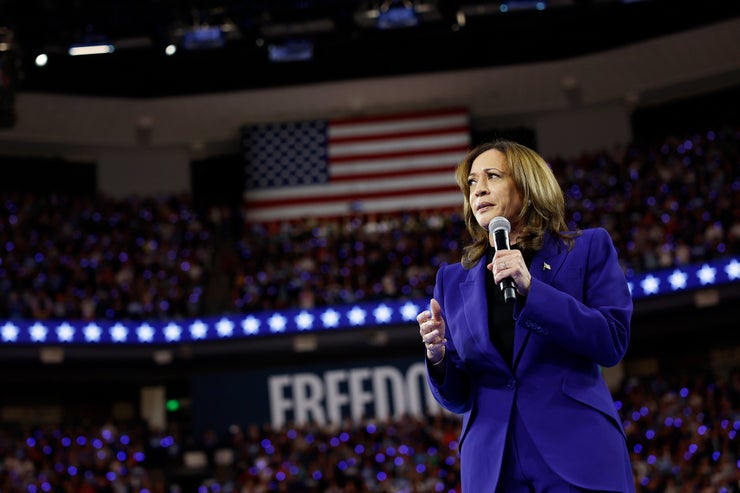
(346, 44)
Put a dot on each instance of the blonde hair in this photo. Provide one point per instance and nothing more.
(543, 199)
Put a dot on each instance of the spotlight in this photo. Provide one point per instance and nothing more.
(203, 38)
(291, 51)
(92, 44)
(393, 15)
(90, 49)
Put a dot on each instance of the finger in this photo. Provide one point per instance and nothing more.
(430, 337)
(435, 309)
(423, 316)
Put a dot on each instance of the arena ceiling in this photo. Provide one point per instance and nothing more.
(227, 45)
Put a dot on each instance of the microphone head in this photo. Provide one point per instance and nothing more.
(498, 223)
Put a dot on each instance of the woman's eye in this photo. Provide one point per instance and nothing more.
(471, 182)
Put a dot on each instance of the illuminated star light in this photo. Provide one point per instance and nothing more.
(330, 318)
(733, 269)
(650, 284)
(198, 330)
(383, 314)
(251, 325)
(145, 333)
(119, 332)
(65, 332)
(38, 332)
(409, 311)
(92, 332)
(678, 279)
(706, 274)
(172, 332)
(304, 320)
(10, 332)
(225, 327)
(357, 316)
(277, 323)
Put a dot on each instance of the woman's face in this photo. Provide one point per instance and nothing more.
(492, 189)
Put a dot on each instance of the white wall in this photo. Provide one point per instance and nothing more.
(565, 133)
(143, 171)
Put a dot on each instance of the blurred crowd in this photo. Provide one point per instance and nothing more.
(682, 432)
(667, 203)
(83, 258)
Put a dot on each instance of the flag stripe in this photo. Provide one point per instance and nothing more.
(398, 173)
(389, 135)
(355, 197)
(357, 190)
(429, 162)
(448, 200)
(390, 149)
(369, 164)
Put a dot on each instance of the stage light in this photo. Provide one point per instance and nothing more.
(91, 49)
(41, 60)
(214, 34)
(522, 5)
(290, 51)
(203, 38)
(395, 15)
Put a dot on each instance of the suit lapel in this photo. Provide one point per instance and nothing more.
(547, 262)
(545, 265)
(473, 291)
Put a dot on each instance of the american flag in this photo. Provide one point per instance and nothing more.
(344, 166)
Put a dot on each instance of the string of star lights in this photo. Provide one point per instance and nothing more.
(343, 317)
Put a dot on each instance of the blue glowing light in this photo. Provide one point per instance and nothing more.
(343, 317)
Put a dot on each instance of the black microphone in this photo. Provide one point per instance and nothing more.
(499, 229)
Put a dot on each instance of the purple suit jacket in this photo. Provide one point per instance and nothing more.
(576, 318)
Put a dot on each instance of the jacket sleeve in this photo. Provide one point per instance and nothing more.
(587, 307)
(450, 384)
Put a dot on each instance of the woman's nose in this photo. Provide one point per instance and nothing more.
(480, 190)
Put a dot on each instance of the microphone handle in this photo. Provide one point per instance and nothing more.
(501, 241)
(509, 291)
